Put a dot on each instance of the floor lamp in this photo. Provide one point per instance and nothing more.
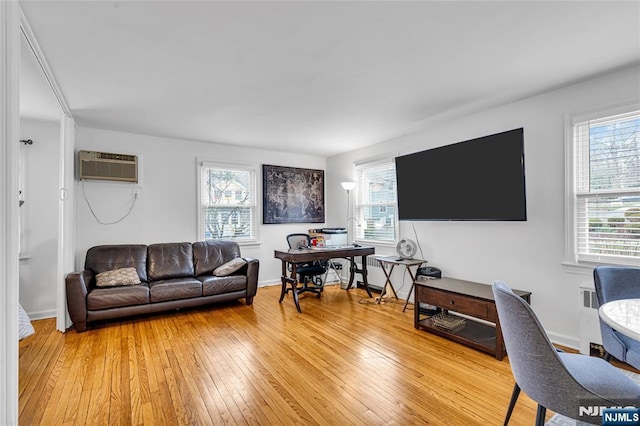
(348, 186)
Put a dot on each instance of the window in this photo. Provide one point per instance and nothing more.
(606, 201)
(227, 202)
(375, 205)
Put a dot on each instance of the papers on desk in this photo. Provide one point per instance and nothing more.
(327, 248)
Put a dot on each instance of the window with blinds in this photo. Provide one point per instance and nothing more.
(607, 189)
(227, 202)
(375, 204)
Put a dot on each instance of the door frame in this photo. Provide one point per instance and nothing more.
(66, 196)
(9, 213)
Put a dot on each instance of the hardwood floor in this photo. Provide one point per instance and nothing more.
(339, 362)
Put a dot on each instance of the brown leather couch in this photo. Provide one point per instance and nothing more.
(172, 275)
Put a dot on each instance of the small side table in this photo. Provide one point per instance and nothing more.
(393, 261)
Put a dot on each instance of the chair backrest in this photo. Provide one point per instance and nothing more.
(616, 282)
(297, 241)
(541, 372)
(562, 382)
(534, 360)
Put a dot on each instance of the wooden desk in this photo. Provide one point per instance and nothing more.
(294, 256)
(393, 261)
(475, 301)
(623, 316)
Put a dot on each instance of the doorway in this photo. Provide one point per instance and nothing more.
(39, 169)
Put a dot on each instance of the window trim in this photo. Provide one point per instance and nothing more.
(369, 163)
(252, 168)
(571, 196)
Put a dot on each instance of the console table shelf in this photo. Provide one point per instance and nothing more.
(476, 304)
(474, 334)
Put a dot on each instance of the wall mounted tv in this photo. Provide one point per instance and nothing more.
(480, 179)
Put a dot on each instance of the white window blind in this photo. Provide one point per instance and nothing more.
(376, 206)
(607, 188)
(227, 202)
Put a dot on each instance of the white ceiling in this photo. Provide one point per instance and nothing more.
(317, 77)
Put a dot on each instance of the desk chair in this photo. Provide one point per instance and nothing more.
(559, 381)
(615, 283)
(309, 272)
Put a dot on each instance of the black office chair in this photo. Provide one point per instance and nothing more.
(309, 272)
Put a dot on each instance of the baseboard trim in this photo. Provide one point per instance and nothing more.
(38, 315)
(373, 287)
(269, 283)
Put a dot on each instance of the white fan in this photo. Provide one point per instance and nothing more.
(406, 248)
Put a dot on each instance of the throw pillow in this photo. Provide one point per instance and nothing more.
(116, 277)
(230, 267)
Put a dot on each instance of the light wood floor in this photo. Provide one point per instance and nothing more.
(339, 362)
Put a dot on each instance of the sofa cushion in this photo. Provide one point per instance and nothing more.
(170, 260)
(217, 285)
(230, 267)
(208, 255)
(108, 257)
(116, 277)
(115, 297)
(174, 289)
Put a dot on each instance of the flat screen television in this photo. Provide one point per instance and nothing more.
(480, 179)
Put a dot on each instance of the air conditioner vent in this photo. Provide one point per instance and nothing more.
(109, 156)
(108, 166)
(588, 320)
(589, 298)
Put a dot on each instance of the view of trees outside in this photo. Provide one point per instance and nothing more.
(614, 217)
(227, 203)
(376, 211)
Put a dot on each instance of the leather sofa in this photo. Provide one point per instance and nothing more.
(171, 276)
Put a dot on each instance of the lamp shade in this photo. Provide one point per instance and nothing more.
(348, 185)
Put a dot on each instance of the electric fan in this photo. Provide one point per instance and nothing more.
(406, 249)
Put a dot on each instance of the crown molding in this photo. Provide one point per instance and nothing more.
(26, 31)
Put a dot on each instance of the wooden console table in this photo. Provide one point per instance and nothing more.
(474, 300)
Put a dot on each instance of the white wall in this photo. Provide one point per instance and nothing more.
(166, 208)
(527, 255)
(39, 251)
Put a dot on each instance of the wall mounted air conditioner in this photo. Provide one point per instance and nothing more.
(108, 166)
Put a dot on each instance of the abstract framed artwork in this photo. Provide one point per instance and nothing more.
(292, 195)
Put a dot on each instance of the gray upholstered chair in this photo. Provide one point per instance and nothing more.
(561, 382)
(615, 283)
